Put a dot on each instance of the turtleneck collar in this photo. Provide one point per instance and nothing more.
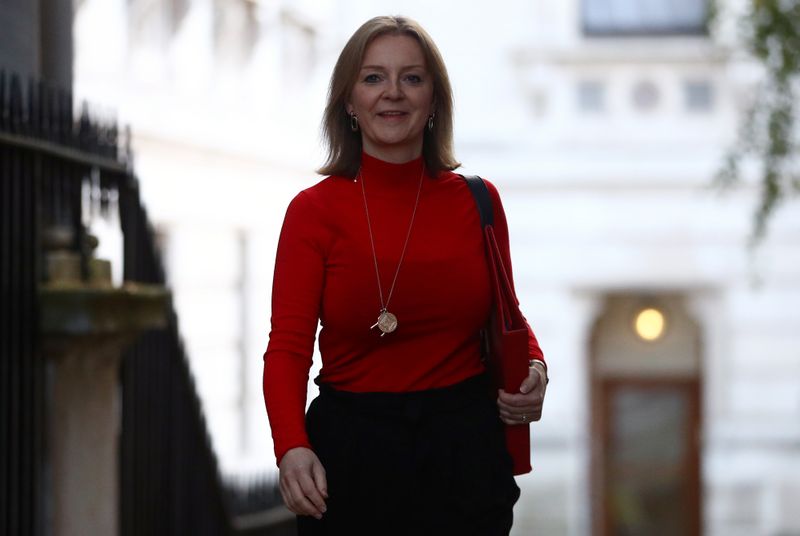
(378, 173)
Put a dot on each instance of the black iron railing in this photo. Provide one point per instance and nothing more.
(21, 368)
(169, 478)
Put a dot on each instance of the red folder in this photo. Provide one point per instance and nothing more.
(508, 355)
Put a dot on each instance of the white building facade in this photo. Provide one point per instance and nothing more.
(602, 123)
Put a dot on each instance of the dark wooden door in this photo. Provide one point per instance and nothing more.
(650, 474)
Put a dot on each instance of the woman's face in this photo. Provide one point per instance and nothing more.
(392, 97)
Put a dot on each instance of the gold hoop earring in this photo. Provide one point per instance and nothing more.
(430, 121)
(353, 122)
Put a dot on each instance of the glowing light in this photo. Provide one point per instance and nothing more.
(650, 324)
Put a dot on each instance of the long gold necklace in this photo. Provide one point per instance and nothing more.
(387, 322)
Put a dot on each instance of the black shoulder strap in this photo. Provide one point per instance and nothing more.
(481, 194)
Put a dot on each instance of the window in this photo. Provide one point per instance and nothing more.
(176, 13)
(644, 17)
(236, 30)
(155, 22)
(698, 96)
(591, 96)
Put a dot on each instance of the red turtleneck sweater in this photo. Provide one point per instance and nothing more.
(324, 270)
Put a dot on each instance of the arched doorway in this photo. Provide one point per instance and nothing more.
(646, 417)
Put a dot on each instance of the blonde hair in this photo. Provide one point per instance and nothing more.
(343, 145)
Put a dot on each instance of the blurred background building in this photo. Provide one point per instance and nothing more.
(674, 401)
(603, 123)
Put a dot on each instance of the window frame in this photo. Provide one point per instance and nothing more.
(643, 30)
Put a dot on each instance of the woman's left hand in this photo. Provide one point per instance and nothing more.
(525, 406)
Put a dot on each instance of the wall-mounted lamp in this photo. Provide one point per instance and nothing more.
(649, 324)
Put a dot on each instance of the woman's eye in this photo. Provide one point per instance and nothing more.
(372, 78)
(414, 78)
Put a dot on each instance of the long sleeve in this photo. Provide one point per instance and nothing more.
(296, 294)
(326, 273)
(501, 233)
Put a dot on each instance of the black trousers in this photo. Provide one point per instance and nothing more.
(420, 463)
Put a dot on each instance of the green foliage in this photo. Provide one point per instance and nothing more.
(768, 131)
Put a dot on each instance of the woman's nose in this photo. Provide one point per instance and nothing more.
(394, 91)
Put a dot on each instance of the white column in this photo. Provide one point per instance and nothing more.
(84, 433)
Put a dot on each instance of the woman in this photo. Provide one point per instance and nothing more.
(387, 253)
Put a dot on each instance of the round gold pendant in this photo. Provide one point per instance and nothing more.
(387, 322)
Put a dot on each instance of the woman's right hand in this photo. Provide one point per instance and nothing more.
(303, 483)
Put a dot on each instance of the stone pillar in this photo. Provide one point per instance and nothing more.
(84, 434)
(86, 327)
